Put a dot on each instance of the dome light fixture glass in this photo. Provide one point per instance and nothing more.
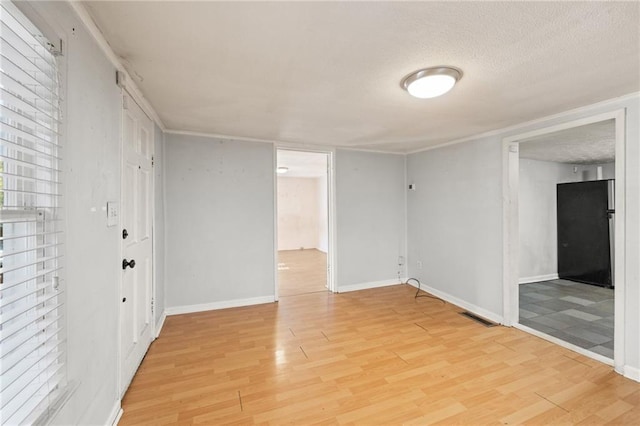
(431, 82)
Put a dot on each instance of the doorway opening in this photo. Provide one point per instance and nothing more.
(564, 236)
(303, 222)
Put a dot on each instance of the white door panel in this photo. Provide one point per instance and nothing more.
(137, 188)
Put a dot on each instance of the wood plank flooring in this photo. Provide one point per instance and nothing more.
(376, 356)
(301, 271)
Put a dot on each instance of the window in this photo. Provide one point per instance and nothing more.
(32, 345)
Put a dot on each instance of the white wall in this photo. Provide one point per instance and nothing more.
(91, 174)
(219, 221)
(455, 221)
(538, 213)
(298, 213)
(455, 218)
(370, 216)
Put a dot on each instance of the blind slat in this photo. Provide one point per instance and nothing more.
(21, 133)
(29, 164)
(17, 119)
(17, 88)
(15, 191)
(36, 248)
(19, 23)
(12, 268)
(24, 364)
(20, 75)
(26, 63)
(24, 293)
(29, 389)
(20, 116)
(8, 285)
(29, 178)
(13, 329)
(16, 344)
(19, 102)
(26, 408)
(22, 48)
(24, 308)
(29, 150)
(35, 234)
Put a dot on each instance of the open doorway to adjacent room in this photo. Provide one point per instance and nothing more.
(303, 256)
(566, 221)
(565, 210)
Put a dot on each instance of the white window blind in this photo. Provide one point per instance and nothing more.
(32, 344)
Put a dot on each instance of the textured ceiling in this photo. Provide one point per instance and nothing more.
(302, 164)
(328, 73)
(590, 144)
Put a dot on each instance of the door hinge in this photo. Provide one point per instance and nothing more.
(152, 161)
(121, 79)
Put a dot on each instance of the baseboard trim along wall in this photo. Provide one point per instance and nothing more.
(236, 303)
(114, 416)
(160, 323)
(365, 286)
(461, 303)
(632, 373)
(538, 278)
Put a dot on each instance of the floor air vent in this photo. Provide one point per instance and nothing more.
(476, 318)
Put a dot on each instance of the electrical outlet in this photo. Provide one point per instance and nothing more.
(112, 213)
(419, 264)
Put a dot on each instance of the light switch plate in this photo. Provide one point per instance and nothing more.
(113, 211)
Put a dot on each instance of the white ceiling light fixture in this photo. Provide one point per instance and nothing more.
(431, 82)
(282, 170)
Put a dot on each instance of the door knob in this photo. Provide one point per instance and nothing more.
(131, 264)
(125, 234)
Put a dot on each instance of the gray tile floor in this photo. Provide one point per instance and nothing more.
(577, 313)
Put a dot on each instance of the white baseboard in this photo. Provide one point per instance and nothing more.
(114, 416)
(187, 309)
(632, 373)
(538, 278)
(461, 303)
(160, 323)
(365, 286)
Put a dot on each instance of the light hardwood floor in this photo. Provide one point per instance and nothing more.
(376, 356)
(301, 271)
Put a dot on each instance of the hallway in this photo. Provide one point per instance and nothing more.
(301, 271)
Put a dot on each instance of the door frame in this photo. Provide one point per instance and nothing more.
(331, 212)
(511, 231)
(133, 97)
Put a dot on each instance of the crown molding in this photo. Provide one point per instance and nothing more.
(130, 85)
(519, 126)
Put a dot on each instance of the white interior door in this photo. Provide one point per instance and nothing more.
(136, 285)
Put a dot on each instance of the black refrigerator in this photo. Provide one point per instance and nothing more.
(585, 232)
